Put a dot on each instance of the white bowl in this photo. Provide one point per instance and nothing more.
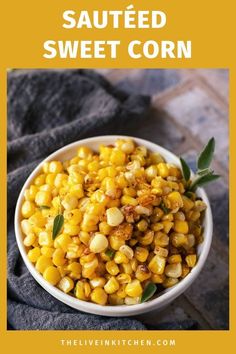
(158, 302)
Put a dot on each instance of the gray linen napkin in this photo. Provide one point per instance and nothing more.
(48, 109)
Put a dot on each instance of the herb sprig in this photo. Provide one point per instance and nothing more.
(204, 173)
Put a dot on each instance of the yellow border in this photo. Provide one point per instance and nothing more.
(24, 26)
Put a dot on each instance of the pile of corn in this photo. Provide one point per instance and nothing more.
(127, 221)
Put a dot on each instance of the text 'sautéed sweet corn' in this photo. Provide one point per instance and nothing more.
(105, 224)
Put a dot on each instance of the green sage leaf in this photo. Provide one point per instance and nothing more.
(110, 253)
(164, 208)
(148, 291)
(185, 169)
(205, 157)
(57, 225)
(203, 180)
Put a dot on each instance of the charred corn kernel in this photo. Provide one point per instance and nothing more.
(167, 226)
(131, 300)
(63, 241)
(27, 209)
(158, 278)
(141, 210)
(175, 258)
(160, 251)
(127, 251)
(45, 239)
(111, 286)
(141, 254)
(169, 282)
(147, 239)
(161, 239)
(191, 260)
(84, 237)
(127, 200)
(89, 268)
(179, 239)
(157, 226)
(142, 273)
(98, 243)
(185, 270)
(126, 268)
(99, 296)
(97, 282)
(162, 170)
(120, 258)
(168, 217)
(42, 263)
(173, 270)
(47, 251)
(193, 215)
(129, 191)
(66, 284)
(123, 278)
(117, 157)
(58, 257)
(40, 180)
(114, 216)
(142, 225)
(175, 200)
(84, 152)
(29, 239)
(114, 300)
(134, 288)
(43, 198)
(34, 254)
(82, 290)
(104, 228)
(112, 268)
(157, 264)
(191, 242)
(199, 205)
(74, 270)
(52, 275)
(179, 216)
(181, 227)
(133, 242)
(71, 230)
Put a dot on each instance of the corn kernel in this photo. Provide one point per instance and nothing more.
(173, 270)
(169, 282)
(29, 239)
(27, 209)
(163, 170)
(34, 254)
(98, 243)
(111, 286)
(99, 296)
(142, 273)
(45, 239)
(134, 288)
(175, 258)
(42, 263)
(66, 284)
(181, 227)
(43, 198)
(123, 278)
(191, 260)
(97, 282)
(178, 239)
(120, 258)
(157, 264)
(74, 270)
(114, 216)
(141, 254)
(58, 257)
(47, 251)
(112, 268)
(52, 275)
(127, 200)
(70, 229)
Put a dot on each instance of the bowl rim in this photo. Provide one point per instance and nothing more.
(167, 295)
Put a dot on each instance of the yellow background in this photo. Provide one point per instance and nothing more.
(24, 26)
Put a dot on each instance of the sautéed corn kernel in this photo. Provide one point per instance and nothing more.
(126, 222)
